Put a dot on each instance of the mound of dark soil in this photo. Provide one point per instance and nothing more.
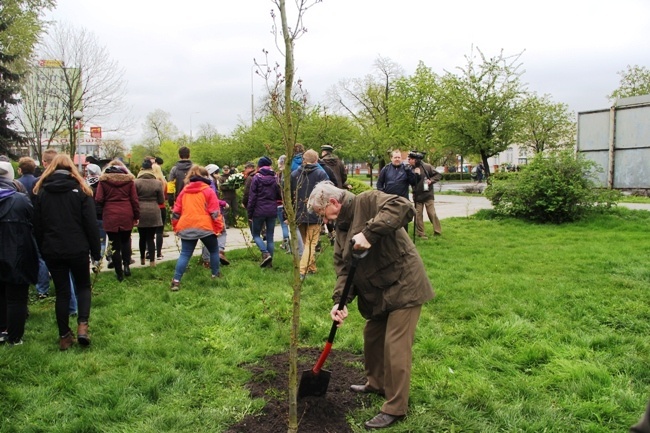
(325, 414)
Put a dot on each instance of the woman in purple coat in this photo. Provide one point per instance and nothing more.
(262, 208)
(118, 196)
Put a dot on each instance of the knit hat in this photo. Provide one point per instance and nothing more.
(6, 170)
(212, 168)
(146, 164)
(93, 170)
(116, 169)
(264, 161)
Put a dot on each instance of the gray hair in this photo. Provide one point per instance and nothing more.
(322, 193)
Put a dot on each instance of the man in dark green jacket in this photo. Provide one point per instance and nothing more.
(390, 286)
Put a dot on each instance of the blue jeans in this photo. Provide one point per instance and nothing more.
(258, 223)
(73, 296)
(43, 284)
(187, 248)
(102, 236)
(283, 225)
(221, 240)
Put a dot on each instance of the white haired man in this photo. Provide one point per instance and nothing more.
(390, 286)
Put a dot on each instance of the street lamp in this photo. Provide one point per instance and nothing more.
(255, 65)
(78, 115)
(195, 112)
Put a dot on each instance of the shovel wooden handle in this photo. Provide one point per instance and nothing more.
(342, 301)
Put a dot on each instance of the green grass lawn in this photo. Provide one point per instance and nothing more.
(534, 328)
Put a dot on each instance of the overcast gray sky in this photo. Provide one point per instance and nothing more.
(193, 58)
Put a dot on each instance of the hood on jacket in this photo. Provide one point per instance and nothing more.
(146, 174)
(184, 164)
(7, 185)
(6, 192)
(116, 179)
(266, 171)
(308, 168)
(60, 181)
(197, 184)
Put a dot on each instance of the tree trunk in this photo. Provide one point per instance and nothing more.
(289, 143)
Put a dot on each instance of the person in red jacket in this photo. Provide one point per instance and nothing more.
(118, 196)
(196, 216)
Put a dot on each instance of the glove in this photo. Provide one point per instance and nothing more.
(360, 242)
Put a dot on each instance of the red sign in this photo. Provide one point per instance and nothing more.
(96, 131)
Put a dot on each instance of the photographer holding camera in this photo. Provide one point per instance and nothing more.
(423, 193)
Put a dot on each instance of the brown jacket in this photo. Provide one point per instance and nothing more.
(426, 172)
(150, 195)
(392, 275)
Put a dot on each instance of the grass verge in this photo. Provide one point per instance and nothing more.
(534, 328)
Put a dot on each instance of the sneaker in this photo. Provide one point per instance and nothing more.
(42, 296)
(176, 286)
(4, 337)
(206, 265)
(219, 275)
(267, 260)
(17, 343)
(160, 256)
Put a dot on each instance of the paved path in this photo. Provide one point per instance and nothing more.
(447, 206)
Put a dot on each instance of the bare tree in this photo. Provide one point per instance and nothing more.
(367, 100)
(112, 149)
(158, 128)
(91, 82)
(284, 108)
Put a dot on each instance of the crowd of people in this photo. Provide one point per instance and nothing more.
(56, 226)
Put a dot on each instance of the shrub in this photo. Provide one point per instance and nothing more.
(557, 188)
(358, 186)
(456, 176)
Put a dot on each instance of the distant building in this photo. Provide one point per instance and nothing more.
(45, 103)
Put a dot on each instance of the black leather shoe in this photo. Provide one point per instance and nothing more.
(382, 420)
(127, 271)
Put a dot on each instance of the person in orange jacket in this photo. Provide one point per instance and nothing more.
(196, 216)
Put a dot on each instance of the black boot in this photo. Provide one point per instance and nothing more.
(127, 269)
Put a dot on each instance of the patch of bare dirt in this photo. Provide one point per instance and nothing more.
(325, 414)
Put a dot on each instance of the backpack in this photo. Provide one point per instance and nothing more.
(178, 176)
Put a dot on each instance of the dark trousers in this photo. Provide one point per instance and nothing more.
(13, 309)
(60, 269)
(146, 242)
(160, 230)
(121, 247)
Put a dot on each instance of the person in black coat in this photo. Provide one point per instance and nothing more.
(18, 257)
(65, 227)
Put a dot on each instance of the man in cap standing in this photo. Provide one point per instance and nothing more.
(423, 193)
(335, 164)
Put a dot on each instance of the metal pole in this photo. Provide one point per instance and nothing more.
(78, 115)
(252, 97)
